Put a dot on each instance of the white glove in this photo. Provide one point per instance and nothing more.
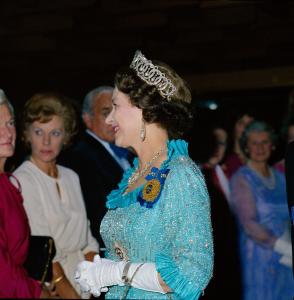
(283, 246)
(93, 276)
(286, 261)
(146, 277)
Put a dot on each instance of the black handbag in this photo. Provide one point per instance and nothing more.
(40, 255)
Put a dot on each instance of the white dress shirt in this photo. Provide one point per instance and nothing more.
(123, 162)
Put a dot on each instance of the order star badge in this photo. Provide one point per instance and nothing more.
(151, 191)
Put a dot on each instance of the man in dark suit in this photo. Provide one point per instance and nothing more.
(97, 161)
(289, 163)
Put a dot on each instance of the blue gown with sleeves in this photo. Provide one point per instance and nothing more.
(264, 276)
(174, 233)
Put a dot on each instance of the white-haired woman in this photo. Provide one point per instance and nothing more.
(14, 226)
(258, 197)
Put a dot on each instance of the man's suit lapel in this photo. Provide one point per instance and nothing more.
(103, 158)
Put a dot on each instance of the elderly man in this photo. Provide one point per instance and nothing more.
(97, 161)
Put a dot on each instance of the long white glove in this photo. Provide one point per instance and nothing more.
(283, 245)
(93, 276)
(286, 261)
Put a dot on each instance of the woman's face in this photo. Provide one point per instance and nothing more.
(259, 146)
(126, 120)
(46, 139)
(7, 132)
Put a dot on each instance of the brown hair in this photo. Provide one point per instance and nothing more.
(174, 115)
(43, 106)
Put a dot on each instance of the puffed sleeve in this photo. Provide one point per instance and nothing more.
(32, 203)
(34, 208)
(186, 266)
(92, 244)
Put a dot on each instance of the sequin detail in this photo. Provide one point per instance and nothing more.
(175, 234)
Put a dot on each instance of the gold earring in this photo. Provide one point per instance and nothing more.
(143, 132)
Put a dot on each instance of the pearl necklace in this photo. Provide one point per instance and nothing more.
(138, 174)
(269, 182)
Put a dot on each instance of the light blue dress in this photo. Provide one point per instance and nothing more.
(264, 277)
(175, 233)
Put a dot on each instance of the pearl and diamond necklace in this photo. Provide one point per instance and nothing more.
(138, 174)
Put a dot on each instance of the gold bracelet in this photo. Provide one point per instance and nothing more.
(58, 279)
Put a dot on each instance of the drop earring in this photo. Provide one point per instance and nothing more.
(143, 132)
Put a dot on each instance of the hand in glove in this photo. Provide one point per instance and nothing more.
(286, 261)
(283, 245)
(93, 276)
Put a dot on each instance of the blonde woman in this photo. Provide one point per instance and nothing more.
(52, 194)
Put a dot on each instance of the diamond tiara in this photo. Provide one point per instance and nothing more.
(152, 75)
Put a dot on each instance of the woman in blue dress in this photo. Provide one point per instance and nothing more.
(259, 201)
(157, 230)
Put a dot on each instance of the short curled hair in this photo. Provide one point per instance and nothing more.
(88, 103)
(175, 115)
(42, 107)
(256, 126)
(4, 100)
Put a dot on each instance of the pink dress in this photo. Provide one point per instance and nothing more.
(14, 242)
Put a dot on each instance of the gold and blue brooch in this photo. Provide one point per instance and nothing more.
(151, 191)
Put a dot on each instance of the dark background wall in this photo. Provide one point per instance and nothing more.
(237, 53)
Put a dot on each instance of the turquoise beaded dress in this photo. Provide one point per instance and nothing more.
(174, 233)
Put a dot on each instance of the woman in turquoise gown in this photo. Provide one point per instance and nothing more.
(259, 201)
(157, 230)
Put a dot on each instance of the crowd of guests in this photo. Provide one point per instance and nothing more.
(149, 219)
(128, 209)
(250, 215)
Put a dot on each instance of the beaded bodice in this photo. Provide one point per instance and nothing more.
(175, 232)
